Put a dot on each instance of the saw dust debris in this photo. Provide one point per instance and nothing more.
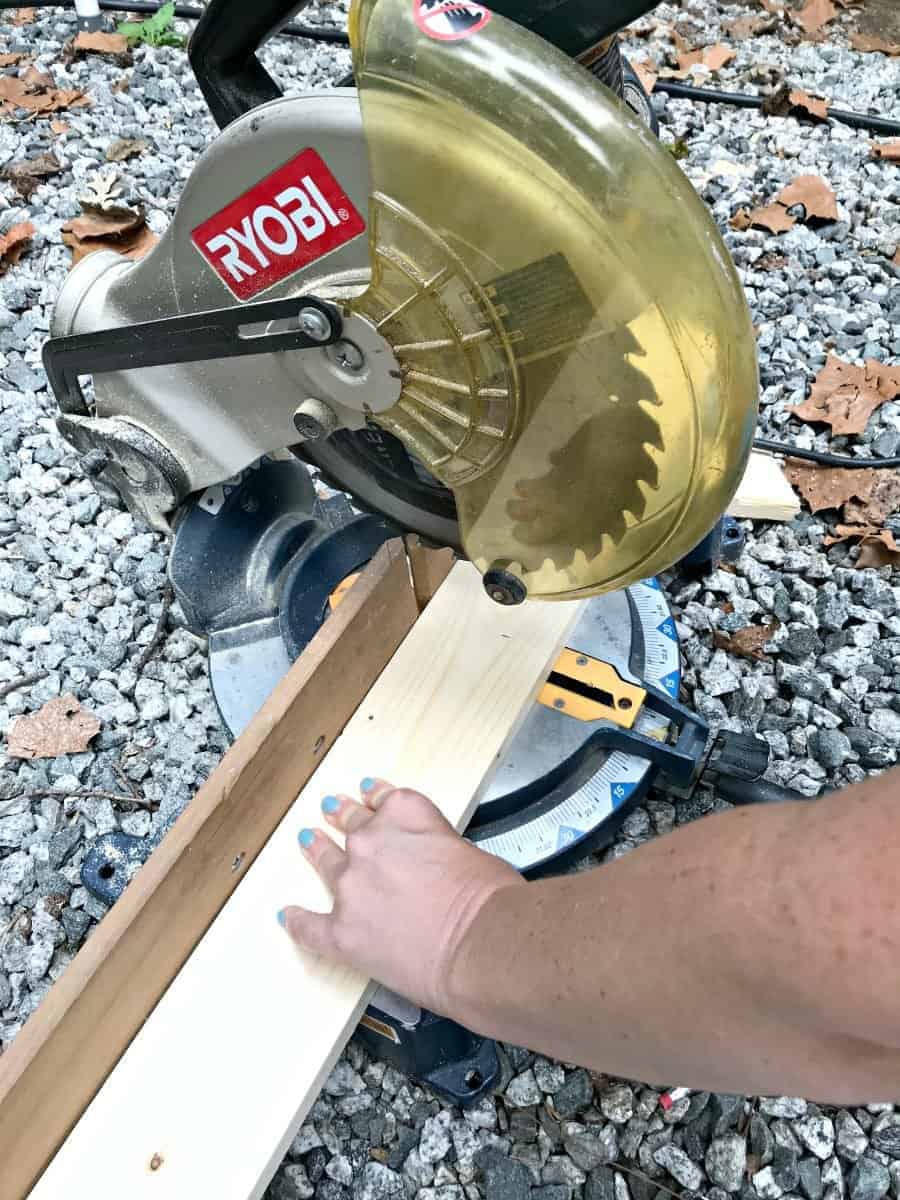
(844, 395)
(29, 173)
(749, 641)
(14, 244)
(36, 92)
(61, 727)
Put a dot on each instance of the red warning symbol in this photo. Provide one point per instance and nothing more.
(450, 20)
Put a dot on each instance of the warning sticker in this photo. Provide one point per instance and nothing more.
(450, 20)
(289, 219)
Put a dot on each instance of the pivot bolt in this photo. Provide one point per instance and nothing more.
(348, 356)
(314, 420)
(315, 324)
(502, 586)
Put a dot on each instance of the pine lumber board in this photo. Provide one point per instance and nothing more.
(212, 1090)
(764, 494)
(69, 1046)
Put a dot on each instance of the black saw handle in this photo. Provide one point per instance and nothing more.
(222, 51)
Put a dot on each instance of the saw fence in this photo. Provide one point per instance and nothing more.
(179, 1052)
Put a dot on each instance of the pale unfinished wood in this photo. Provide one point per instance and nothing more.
(429, 565)
(69, 1046)
(764, 493)
(215, 1086)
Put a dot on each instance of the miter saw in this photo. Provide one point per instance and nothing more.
(475, 294)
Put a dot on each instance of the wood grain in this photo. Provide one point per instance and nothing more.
(764, 493)
(67, 1049)
(214, 1087)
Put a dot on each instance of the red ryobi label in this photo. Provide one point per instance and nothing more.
(289, 219)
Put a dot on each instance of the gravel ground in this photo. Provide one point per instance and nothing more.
(82, 585)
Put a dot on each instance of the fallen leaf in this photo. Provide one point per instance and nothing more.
(123, 230)
(877, 547)
(59, 127)
(14, 243)
(814, 14)
(817, 198)
(811, 105)
(890, 151)
(100, 43)
(713, 58)
(741, 220)
(867, 43)
(896, 259)
(844, 395)
(124, 148)
(882, 503)
(26, 175)
(35, 91)
(749, 641)
(776, 10)
(750, 26)
(773, 217)
(829, 487)
(23, 16)
(10, 60)
(647, 73)
(102, 192)
(61, 727)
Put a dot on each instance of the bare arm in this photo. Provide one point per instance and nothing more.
(755, 951)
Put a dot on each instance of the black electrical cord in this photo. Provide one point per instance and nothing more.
(685, 91)
(823, 458)
(187, 12)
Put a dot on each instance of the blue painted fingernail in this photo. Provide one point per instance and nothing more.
(330, 804)
(282, 918)
(367, 784)
(306, 838)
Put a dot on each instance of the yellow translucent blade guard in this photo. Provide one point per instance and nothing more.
(577, 358)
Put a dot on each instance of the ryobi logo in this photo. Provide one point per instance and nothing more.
(289, 219)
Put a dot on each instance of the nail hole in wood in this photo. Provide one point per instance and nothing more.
(156, 1162)
(320, 742)
(237, 860)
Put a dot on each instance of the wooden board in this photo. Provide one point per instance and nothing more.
(214, 1087)
(429, 567)
(764, 493)
(67, 1049)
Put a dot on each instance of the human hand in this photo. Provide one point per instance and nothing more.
(406, 890)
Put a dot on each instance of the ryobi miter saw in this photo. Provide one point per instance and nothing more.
(476, 295)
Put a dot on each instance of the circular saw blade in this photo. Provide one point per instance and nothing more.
(577, 357)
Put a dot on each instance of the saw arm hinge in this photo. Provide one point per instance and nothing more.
(589, 689)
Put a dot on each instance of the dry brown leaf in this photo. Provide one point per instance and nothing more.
(14, 243)
(59, 127)
(829, 487)
(61, 727)
(100, 43)
(34, 91)
(883, 501)
(773, 217)
(124, 148)
(712, 57)
(25, 176)
(740, 220)
(814, 14)
(844, 395)
(123, 231)
(867, 43)
(877, 547)
(810, 105)
(776, 10)
(814, 194)
(890, 151)
(750, 26)
(23, 16)
(10, 60)
(647, 73)
(749, 641)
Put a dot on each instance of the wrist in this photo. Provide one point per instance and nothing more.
(468, 966)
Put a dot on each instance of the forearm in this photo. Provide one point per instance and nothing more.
(730, 955)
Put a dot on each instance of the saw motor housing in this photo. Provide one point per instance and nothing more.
(564, 399)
